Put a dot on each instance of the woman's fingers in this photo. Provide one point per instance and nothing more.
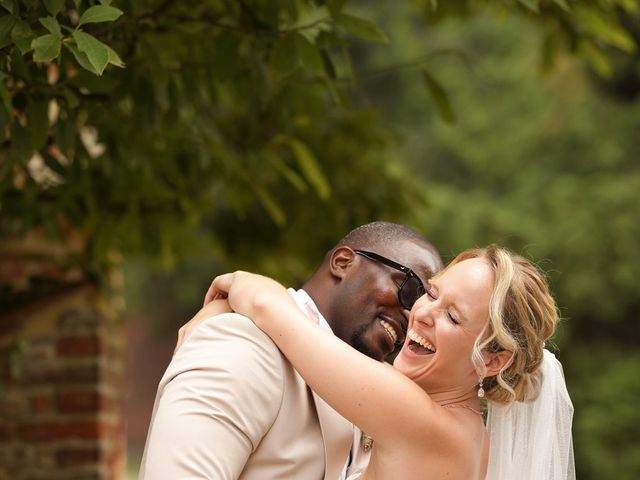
(222, 284)
(220, 287)
(210, 310)
(210, 295)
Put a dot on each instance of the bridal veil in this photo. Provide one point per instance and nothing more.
(532, 440)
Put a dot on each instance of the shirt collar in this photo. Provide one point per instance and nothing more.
(305, 302)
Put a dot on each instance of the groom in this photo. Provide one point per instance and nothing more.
(230, 406)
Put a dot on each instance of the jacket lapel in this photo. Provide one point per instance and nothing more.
(337, 435)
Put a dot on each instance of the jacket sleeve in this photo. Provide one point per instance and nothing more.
(219, 396)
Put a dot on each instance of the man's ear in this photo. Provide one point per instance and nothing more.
(496, 361)
(341, 260)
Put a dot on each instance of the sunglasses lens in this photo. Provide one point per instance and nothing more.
(410, 291)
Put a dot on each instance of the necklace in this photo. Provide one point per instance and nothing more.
(462, 405)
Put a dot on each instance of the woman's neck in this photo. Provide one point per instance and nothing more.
(469, 398)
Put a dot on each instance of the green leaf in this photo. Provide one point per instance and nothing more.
(335, 6)
(439, 95)
(287, 172)
(285, 55)
(6, 25)
(9, 5)
(46, 47)
(532, 5)
(598, 60)
(53, 6)
(604, 29)
(114, 58)
(71, 98)
(310, 168)
(99, 13)
(81, 58)
(272, 207)
(20, 142)
(5, 96)
(309, 54)
(51, 24)
(87, 80)
(361, 28)
(22, 35)
(38, 121)
(563, 4)
(96, 51)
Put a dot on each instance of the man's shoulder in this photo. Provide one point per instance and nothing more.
(228, 327)
(228, 343)
(232, 342)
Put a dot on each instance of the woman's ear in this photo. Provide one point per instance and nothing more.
(496, 361)
(340, 261)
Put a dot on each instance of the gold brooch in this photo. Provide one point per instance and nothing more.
(366, 442)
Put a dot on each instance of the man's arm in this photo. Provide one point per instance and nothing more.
(217, 399)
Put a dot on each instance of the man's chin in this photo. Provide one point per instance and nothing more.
(359, 342)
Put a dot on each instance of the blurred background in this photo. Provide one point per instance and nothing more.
(148, 146)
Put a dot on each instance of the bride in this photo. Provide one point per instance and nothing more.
(478, 331)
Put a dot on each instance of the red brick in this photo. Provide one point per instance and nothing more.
(78, 401)
(50, 431)
(85, 346)
(38, 432)
(40, 403)
(86, 429)
(76, 457)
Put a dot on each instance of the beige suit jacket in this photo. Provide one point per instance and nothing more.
(230, 406)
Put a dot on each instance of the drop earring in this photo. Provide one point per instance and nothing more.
(481, 388)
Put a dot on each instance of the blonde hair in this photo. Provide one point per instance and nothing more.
(522, 316)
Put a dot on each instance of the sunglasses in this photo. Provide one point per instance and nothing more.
(411, 287)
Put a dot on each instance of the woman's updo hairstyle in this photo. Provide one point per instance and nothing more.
(522, 317)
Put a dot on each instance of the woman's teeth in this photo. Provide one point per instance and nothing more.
(421, 341)
(390, 330)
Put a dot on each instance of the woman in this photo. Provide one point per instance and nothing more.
(478, 331)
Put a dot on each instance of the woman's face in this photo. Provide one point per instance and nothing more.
(443, 326)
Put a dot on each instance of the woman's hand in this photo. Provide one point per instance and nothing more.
(249, 294)
(211, 308)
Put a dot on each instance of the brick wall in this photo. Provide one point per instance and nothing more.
(61, 366)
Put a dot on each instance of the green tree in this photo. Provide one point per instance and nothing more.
(150, 130)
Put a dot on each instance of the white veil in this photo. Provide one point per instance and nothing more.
(532, 441)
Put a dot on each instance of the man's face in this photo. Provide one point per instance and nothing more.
(366, 311)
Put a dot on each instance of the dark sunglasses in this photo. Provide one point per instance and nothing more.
(411, 287)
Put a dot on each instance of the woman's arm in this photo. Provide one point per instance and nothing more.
(371, 394)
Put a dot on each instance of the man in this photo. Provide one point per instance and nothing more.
(230, 406)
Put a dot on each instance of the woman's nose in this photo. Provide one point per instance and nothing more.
(424, 313)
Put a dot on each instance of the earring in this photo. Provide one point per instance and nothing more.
(481, 388)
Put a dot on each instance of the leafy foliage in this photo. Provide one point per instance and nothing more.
(225, 112)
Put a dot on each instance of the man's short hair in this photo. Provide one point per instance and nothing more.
(376, 234)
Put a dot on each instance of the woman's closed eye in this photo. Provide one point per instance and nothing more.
(431, 293)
